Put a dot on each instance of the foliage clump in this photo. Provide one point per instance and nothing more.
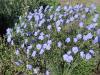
(55, 40)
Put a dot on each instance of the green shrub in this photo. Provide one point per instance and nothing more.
(17, 7)
(6, 67)
(31, 34)
(10, 10)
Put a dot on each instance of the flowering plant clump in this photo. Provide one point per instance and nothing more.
(62, 36)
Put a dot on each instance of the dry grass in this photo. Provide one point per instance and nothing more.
(73, 2)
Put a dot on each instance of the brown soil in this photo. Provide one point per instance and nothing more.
(97, 2)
